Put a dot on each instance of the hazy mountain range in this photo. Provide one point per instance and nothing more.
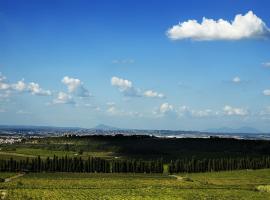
(105, 127)
(234, 130)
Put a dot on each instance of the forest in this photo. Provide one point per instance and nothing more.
(134, 153)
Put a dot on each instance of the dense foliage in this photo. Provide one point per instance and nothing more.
(91, 165)
(208, 165)
(99, 165)
(150, 147)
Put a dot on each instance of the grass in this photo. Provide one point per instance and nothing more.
(22, 153)
(264, 188)
(4, 175)
(236, 185)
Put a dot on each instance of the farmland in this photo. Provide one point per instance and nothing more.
(244, 184)
(52, 183)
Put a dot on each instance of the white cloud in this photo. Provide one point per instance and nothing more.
(153, 94)
(122, 84)
(228, 110)
(165, 107)
(236, 79)
(186, 111)
(35, 89)
(242, 27)
(114, 111)
(204, 113)
(76, 86)
(63, 98)
(266, 64)
(32, 87)
(20, 86)
(266, 92)
(126, 87)
(4, 86)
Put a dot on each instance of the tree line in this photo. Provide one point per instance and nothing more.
(77, 164)
(99, 165)
(219, 164)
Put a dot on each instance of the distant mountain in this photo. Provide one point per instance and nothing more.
(105, 127)
(234, 130)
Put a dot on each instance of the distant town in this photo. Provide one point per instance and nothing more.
(15, 134)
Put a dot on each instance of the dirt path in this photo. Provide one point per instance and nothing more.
(14, 177)
(177, 177)
(16, 154)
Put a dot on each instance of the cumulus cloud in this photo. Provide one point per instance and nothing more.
(32, 87)
(35, 89)
(63, 98)
(153, 94)
(242, 27)
(266, 92)
(122, 84)
(165, 108)
(21, 86)
(76, 86)
(236, 80)
(229, 110)
(126, 87)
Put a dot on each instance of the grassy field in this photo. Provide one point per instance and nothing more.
(22, 153)
(4, 175)
(246, 184)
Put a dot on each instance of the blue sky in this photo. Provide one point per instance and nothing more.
(135, 64)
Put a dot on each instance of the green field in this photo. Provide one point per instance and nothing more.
(22, 153)
(245, 184)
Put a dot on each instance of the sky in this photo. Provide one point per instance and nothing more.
(185, 65)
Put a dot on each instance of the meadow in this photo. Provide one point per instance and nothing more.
(244, 184)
